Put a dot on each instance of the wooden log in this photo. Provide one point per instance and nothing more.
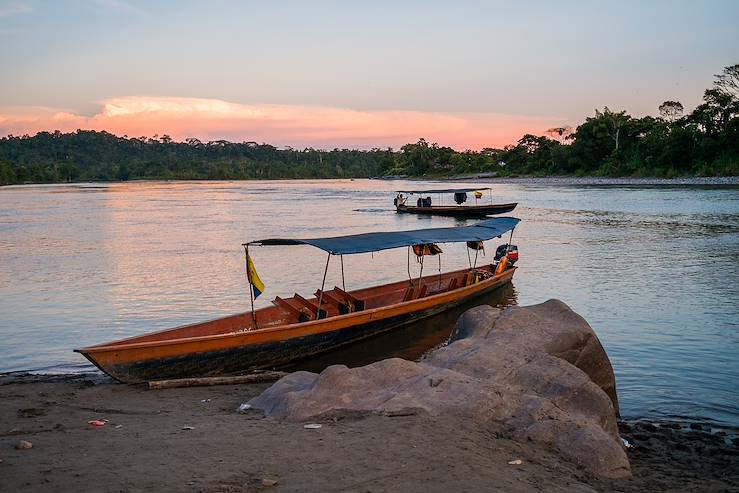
(267, 376)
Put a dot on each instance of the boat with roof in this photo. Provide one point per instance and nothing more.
(298, 327)
(425, 205)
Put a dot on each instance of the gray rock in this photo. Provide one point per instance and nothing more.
(23, 445)
(539, 373)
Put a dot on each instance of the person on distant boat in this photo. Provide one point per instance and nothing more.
(419, 202)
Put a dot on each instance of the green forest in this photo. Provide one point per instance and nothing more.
(704, 142)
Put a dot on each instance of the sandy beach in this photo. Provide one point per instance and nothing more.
(194, 439)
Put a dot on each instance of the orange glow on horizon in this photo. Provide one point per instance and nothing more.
(280, 125)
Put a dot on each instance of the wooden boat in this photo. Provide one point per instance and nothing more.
(470, 211)
(295, 327)
(424, 206)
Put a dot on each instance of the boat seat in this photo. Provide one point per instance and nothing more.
(312, 307)
(355, 302)
(295, 312)
(327, 298)
(408, 295)
(465, 280)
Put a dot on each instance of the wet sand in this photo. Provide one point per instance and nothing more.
(193, 439)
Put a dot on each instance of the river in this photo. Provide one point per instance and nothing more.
(654, 269)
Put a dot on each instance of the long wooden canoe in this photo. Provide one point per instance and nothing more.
(289, 330)
(470, 211)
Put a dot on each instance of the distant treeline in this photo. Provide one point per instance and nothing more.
(704, 142)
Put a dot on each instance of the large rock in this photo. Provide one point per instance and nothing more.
(537, 373)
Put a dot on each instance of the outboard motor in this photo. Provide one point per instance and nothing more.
(512, 251)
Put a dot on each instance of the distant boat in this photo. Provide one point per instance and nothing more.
(424, 204)
(298, 327)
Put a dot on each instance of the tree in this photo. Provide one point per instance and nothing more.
(671, 110)
(560, 134)
(728, 81)
(614, 122)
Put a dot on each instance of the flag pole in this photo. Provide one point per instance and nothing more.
(251, 288)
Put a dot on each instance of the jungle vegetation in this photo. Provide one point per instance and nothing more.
(704, 142)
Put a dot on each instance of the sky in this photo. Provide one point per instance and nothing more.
(328, 74)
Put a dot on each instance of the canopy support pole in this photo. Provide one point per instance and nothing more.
(343, 283)
(251, 288)
(420, 274)
(410, 278)
(510, 240)
(439, 286)
(323, 284)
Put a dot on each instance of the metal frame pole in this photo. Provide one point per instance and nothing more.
(510, 240)
(323, 285)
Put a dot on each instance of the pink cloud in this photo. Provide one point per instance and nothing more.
(280, 125)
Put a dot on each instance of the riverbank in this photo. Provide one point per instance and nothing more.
(485, 178)
(194, 439)
(596, 180)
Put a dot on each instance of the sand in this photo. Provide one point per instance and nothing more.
(193, 439)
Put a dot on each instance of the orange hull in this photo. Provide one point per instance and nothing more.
(233, 344)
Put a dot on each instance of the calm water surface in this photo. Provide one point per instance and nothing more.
(655, 270)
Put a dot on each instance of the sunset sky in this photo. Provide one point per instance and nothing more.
(340, 74)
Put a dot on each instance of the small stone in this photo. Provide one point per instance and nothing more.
(188, 428)
(516, 462)
(23, 445)
(648, 427)
(312, 426)
(269, 482)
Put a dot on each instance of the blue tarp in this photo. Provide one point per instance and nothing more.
(374, 242)
(445, 190)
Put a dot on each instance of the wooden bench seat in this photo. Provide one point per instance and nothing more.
(312, 307)
(299, 314)
(328, 298)
(354, 302)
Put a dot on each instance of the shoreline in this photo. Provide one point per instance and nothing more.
(210, 446)
(485, 178)
(96, 377)
(594, 180)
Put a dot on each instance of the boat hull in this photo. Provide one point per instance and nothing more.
(273, 347)
(471, 211)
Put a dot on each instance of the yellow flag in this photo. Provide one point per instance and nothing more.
(251, 274)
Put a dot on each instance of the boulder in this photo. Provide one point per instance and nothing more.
(535, 373)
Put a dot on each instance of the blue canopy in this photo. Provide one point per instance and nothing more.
(445, 190)
(373, 242)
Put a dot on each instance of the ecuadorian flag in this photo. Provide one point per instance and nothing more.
(251, 274)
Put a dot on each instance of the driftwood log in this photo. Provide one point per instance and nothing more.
(267, 376)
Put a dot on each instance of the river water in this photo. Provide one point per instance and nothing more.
(654, 269)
